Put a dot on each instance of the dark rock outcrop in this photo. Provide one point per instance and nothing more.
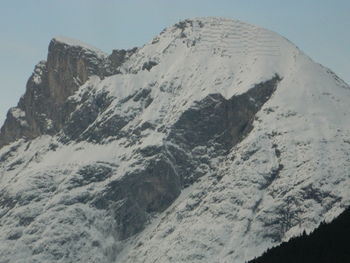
(119, 56)
(44, 109)
(138, 194)
(218, 124)
(208, 129)
(212, 123)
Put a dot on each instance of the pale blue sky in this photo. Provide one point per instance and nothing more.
(319, 27)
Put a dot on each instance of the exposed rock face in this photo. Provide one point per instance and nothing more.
(211, 143)
(214, 123)
(119, 56)
(31, 117)
(132, 199)
(68, 67)
(44, 108)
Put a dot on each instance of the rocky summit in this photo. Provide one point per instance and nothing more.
(211, 143)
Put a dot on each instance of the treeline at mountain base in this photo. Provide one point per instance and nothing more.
(329, 243)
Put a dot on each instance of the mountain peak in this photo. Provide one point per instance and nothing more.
(218, 139)
(70, 42)
(223, 31)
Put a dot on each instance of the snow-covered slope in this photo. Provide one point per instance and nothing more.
(211, 143)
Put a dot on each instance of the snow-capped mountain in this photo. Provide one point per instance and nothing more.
(213, 142)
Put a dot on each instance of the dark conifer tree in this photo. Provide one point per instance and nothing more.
(329, 243)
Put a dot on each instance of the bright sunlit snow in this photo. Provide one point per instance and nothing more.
(303, 132)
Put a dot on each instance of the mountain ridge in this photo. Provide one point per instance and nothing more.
(211, 143)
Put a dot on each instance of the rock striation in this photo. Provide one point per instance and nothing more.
(44, 108)
(211, 143)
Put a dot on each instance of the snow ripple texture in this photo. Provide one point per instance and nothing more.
(291, 172)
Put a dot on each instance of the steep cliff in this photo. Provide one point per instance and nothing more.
(213, 142)
(44, 107)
